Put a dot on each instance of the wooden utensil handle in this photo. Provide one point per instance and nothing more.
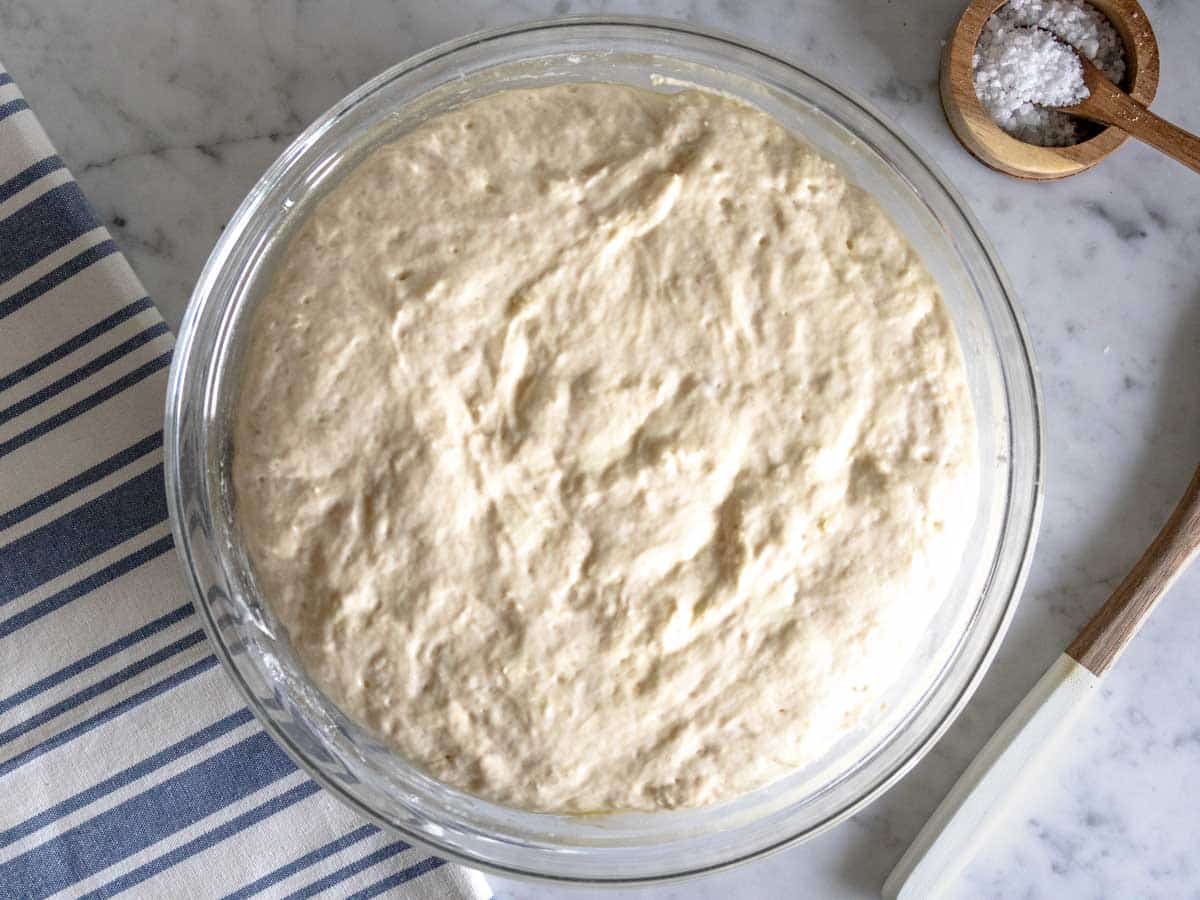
(1124, 112)
(1105, 636)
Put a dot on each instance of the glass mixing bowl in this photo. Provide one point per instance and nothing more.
(357, 768)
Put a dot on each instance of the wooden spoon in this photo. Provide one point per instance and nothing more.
(960, 823)
(1109, 105)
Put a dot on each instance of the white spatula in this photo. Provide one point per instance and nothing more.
(961, 822)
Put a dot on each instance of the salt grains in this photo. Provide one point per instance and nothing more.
(1021, 67)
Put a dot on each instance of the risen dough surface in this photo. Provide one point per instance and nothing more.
(603, 449)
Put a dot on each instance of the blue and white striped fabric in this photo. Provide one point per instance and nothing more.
(127, 760)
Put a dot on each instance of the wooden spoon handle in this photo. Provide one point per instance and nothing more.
(1110, 105)
(1105, 636)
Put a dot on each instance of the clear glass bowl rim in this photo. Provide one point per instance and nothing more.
(1019, 372)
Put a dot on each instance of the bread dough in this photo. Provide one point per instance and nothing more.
(603, 449)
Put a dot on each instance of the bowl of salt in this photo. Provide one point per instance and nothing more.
(1006, 64)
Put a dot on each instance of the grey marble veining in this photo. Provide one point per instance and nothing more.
(169, 111)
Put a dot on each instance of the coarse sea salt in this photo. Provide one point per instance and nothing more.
(1022, 66)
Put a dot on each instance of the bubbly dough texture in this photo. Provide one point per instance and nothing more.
(603, 449)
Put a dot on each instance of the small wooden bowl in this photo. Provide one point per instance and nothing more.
(991, 145)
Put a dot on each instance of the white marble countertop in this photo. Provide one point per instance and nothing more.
(168, 113)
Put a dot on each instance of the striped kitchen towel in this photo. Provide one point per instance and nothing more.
(128, 762)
